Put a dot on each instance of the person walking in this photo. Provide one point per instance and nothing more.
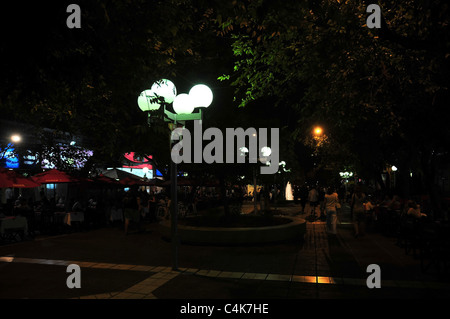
(131, 205)
(313, 198)
(331, 202)
(358, 210)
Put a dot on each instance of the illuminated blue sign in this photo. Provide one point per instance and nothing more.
(11, 160)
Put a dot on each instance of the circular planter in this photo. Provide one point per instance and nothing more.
(237, 235)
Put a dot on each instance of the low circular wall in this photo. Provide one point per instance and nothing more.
(239, 235)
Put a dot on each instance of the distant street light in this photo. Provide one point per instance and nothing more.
(16, 138)
(145, 171)
(266, 151)
(318, 130)
(164, 92)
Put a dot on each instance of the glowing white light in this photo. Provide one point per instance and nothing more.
(147, 101)
(202, 95)
(266, 151)
(183, 104)
(243, 150)
(166, 89)
(16, 138)
(394, 168)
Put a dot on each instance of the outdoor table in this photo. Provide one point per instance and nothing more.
(12, 226)
(73, 217)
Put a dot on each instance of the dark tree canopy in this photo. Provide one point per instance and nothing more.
(381, 94)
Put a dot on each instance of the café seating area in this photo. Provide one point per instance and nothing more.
(426, 237)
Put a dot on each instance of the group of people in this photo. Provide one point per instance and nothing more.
(138, 205)
(363, 207)
(325, 204)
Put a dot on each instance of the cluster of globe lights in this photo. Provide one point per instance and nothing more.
(346, 174)
(199, 95)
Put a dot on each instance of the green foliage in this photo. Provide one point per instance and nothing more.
(86, 81)
(380, 93)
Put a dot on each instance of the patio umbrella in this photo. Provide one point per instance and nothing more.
(103, 180)
(55, 176)
(12, 179)
(133, 181)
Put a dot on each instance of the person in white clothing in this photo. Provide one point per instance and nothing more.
(313, 198)
(331, 201)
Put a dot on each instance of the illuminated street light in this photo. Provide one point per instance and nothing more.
(183, 104)
(266, 151)
(201, 95)
(145, 171)
(243, 150)
(318, 130)
(162, 93)
(16, 138)
(166, 89)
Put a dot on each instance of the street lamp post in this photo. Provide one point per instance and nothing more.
(163, 93)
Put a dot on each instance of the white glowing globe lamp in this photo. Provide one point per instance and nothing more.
(183, 104)
(147, 101)
(202, 95)
(266, 151)
(243, 150)
(166, 89)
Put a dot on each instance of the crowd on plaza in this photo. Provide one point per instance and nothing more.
(120, 206)
(136, 204)
(368, 208)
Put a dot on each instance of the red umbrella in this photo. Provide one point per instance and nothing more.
(132, 181)
(104, 180)
(54, 176)
(12, 179)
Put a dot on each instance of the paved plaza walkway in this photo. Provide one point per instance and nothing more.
(139, 266)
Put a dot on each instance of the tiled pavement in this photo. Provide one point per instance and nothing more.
(320, 267)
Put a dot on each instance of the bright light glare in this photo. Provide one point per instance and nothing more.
(145, 101)
(16, 138)
(166, 89)
(243, 150)
(202, 95)
(318, 130)
(266, 151)
(183, 104)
